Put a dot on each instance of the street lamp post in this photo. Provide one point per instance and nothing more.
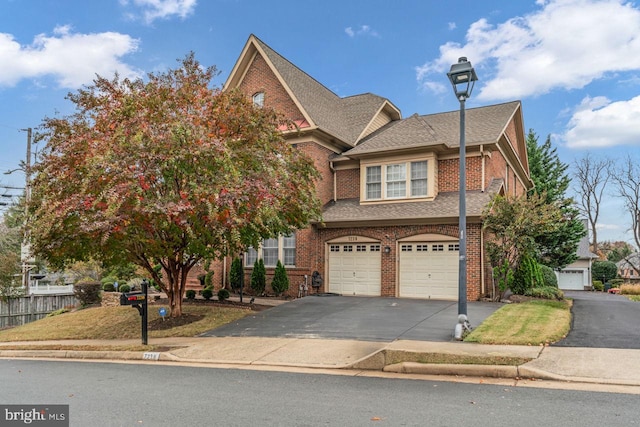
(462, 77)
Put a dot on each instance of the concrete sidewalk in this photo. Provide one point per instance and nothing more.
(583, 365)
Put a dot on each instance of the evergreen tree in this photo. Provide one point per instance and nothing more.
(280, 282)
(235, 275)
(259, 277)
(558, 248)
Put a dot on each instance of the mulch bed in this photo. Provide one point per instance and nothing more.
(173, 322)
(186, 318)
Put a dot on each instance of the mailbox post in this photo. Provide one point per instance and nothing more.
(138, 300)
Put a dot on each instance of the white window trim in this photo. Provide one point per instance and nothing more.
(431, 179)
(281, 256)
(258, 99)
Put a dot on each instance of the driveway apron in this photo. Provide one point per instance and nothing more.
(358, 318)
(602, 320)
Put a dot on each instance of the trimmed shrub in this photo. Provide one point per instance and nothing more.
(546, 292)
(235, 275)
(597, 285)
(87, 291)
(108, 287)
(207, 293)
(280, 283)
(124, 288)
(190, 294)
(259, 277)
(223, 294)
(108, 279)
(548, 276)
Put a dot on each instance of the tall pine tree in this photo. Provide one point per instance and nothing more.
(558, 248)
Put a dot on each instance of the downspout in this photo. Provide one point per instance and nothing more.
(224, 272)
(335, 186)
(482, 157)
(482, 262)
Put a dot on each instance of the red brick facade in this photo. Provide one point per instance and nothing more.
(343, 181)
(347, 184)
(260, 78)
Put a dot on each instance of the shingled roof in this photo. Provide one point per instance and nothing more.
(483, 125)
(344, 118)
(349, 212)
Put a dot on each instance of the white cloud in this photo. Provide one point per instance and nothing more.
(162, 9)
(72, 59)
(452, 25)
(566, 44)
(364, 30)
(598, 122)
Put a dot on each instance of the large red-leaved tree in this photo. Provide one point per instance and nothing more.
(166, 171)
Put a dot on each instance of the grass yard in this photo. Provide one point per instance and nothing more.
(535, 322)
(110, 323)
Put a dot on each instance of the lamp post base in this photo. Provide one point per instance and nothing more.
(462, 327)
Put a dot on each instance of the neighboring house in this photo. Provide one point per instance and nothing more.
(625, 267)
(577, 275)
(389, 185)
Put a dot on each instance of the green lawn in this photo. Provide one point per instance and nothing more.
(110, 323)
(533, 322)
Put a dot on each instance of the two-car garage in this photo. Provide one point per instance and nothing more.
(425, 269)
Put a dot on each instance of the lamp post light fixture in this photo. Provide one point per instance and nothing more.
(463, 78)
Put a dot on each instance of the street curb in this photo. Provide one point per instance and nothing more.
(492, 371)
(372, 362)
(528, 372)
(73, 354)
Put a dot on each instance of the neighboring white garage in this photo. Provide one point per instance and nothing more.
(429, 270)
(571, 280)
(354, 268)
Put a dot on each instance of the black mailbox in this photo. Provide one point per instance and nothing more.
(132, 298)
(138, 300)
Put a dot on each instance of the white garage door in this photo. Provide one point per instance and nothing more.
(429, 270)
(571, 280)
(354, 269)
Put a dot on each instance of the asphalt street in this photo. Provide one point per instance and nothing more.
(360, 318)
(602, 320)
(112, 394)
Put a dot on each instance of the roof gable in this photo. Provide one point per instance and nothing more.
(484, 125)
(344, 118)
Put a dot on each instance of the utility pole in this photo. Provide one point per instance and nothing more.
(25, 255)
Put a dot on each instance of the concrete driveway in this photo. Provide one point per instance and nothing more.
(602, 320)
(358, 318)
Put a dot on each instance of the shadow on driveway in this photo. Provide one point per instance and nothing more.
(358, 318)
(601, 320)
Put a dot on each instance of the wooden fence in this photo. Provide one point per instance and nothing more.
(19, 311)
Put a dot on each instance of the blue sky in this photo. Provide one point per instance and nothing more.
(574, 64)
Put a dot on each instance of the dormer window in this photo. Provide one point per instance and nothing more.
(258, 99)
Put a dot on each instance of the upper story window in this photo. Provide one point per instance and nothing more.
(398, 180)
(282, 248)
(258, 99)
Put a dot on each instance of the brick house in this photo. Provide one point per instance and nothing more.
(389, 185)
(628, 268)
